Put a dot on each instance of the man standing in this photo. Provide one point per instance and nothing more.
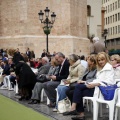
(98, 46)
(50, 86)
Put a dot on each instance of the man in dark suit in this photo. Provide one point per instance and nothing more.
(50, 86)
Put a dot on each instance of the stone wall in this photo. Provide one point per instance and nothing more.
(20, 26)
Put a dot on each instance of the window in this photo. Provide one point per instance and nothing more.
(113, 6)
(106, 21)
(115, 17)
(118, 16)
(118, 41)
(118, 28)
(116, 5)
(108, 8)
(110, 19)
(113, 30)
(112, 42)
(88, 10)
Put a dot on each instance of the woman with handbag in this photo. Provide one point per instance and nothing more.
(76, 70)
(105, 73)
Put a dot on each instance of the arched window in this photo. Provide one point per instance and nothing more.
(88, 10)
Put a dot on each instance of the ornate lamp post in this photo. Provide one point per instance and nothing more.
(105, 36)
(47, 23)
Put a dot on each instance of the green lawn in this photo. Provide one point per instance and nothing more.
(11, 110)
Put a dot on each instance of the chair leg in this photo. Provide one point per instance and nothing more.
(116, 113)
(111, 112)
(95, 110)
(42, 95)
(48, 101)
(101, 110)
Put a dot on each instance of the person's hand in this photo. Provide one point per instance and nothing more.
(53, 77)
(81, 81)
(66, 82)
(90, 85)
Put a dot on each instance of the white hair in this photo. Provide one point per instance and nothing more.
(95, 39)
(46, 59)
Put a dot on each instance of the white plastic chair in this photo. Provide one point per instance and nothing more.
(117, 107)
(42, 96)
(93, 99)
(111, 104)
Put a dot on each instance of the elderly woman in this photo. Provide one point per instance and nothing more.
(76, 70)
(115, 61)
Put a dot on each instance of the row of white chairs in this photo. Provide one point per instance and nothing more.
(98, 100)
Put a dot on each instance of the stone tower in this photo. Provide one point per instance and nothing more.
(20, 26)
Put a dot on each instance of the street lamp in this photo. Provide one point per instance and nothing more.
(105, 36)
(47, 23)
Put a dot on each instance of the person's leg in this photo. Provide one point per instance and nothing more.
(36, 92)
(49, 88)
(5, 81)
(80, 90)
(69, 94)
(12, 80)
(61, 89)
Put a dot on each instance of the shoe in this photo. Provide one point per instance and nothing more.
(78, 118)
(55, 110)
(11, 89)
(3, 87)
(36, 102)
(31, 102)
(74, 112)
(51, 105)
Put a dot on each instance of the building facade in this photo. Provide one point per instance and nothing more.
(94, 18)
(112, 23)
(20, 26)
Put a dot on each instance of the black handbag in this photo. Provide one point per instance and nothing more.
(72, 85)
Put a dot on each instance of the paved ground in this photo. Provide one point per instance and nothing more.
(43, 108)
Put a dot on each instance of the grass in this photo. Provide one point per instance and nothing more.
(11, 110)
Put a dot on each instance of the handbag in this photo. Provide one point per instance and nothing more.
(64, 105)
(108, 91)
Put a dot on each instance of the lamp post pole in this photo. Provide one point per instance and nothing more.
(105, 36)
(47, 23)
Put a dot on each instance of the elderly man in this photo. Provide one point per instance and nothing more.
(98, 46)
(42, 71)
(50, 86)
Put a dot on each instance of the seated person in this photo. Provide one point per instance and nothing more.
(50, 86)
(6, 71)
(36, 92)
(76, 70)
(115, 61)
(105, 73)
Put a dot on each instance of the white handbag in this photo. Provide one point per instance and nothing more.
(64, 105)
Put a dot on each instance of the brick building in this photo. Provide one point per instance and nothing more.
(20, 26)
